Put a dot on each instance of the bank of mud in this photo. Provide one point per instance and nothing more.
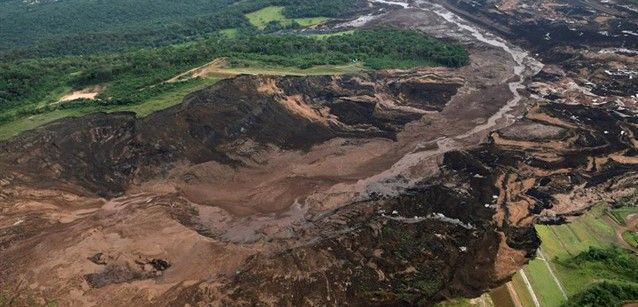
(394, 187)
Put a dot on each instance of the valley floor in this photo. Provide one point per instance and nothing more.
(388, 187)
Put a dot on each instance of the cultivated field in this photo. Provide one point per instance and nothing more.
(554, 276)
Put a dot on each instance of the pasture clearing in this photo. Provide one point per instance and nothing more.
(261, 18)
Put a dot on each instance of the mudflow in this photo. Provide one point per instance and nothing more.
(390, 187)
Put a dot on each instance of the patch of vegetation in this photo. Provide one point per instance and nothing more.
(326, 35)
(605, 294)
(329, 8)
(46, 28)
(272, 17)
(376, 48)
(26, 86)
(247, 67)
(631, 237)
(610, 263)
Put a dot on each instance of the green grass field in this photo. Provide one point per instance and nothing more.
(231, 33)
(631, 237)
(546, 289)
(620, 214)
(145, 108)
(262, 17)
(167, 99)
(563, 243)
(254, 68)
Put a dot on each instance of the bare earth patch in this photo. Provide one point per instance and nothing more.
(203, 71)
(85, 93)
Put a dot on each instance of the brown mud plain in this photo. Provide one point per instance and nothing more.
(384, 188)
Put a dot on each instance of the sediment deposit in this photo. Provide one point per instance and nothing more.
(389, 187)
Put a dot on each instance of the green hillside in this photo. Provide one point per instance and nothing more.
(31, 90)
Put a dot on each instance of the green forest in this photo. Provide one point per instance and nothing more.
(617, 272)
(137, 75)
(51, 28)
(131, 48)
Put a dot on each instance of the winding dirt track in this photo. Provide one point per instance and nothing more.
(631, 224)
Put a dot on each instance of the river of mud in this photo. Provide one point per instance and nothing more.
(387, 187)
(526, 66)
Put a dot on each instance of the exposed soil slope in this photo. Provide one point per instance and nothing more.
(396, 187)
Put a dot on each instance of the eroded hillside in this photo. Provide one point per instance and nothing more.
(390, 187)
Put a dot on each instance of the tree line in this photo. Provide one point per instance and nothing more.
(73, 27)
(134, 76)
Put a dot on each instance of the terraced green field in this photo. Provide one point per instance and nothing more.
(561, 245)
(591, 229)
(620, 214)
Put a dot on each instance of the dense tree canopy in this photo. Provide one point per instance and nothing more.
(133, 76)
(617, 276)
(51, 28)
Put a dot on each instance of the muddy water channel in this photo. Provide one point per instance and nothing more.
(526, 66)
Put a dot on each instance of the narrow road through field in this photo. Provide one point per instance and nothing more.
(551, 272)
(529, 288)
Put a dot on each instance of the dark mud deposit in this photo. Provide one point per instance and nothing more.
(587, 39)
(105, 153)
(348, 190)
